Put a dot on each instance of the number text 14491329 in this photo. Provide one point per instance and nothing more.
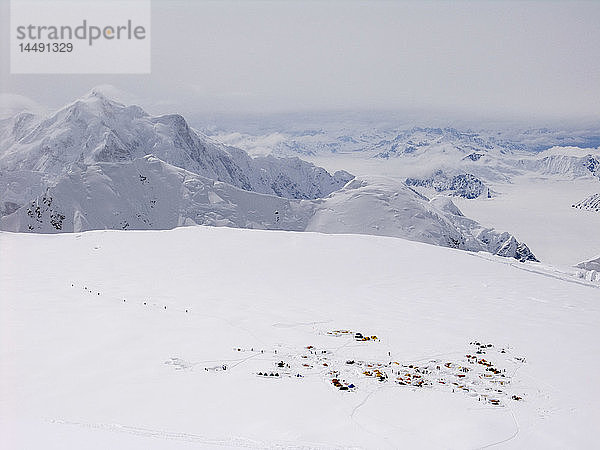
(42, 47)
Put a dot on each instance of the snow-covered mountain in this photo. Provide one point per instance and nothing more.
(148, 193)
(97, 129)
(463, 185)
(417, 141)
(385, 207)
(592, 203)
(511, 179)
(491, 159)
(469, 177)
(570, 162)
(591, 264)
(98, 164)
(379, 143)
(391, 136)
(473, 150)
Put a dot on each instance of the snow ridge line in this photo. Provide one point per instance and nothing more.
(565, 276)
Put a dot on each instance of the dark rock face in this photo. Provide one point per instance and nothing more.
(524, 254)
(592, 203)
(463, 185)
(593, 165)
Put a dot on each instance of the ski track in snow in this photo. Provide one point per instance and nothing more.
(511, 437)
(300, 324)
(196, 438)
(360, 405)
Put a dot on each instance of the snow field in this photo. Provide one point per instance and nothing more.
(85, 370)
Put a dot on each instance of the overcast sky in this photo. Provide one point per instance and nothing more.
(529, 59)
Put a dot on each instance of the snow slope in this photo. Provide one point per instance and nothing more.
(150, 194)
(592, 264)
(386, 207)
(97, 350)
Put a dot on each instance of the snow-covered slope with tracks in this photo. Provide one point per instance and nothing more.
(118, 340)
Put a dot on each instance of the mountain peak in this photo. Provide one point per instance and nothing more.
(97, 105)
(97, 97)
(96, 92)
(110, 93)
(96, 128)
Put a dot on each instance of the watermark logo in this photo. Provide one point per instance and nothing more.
(80, 36)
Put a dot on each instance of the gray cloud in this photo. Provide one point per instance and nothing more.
(525, 58)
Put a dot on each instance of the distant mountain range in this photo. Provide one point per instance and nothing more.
(386, 141)
(457, 162)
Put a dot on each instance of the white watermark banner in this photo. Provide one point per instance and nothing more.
(80, 36)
